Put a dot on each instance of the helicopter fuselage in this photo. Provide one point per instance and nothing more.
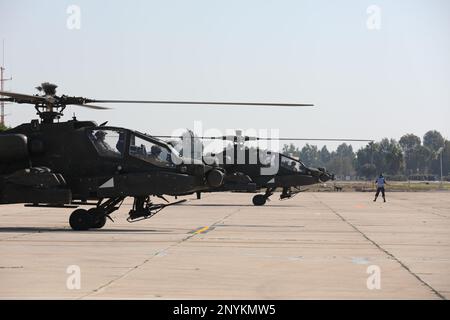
(61, 162)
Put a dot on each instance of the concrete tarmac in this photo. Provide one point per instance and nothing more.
(314, 246)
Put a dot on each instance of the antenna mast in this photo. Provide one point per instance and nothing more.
(2, 80)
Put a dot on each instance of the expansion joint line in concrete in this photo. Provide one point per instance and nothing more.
(153, 256)
(382, 249)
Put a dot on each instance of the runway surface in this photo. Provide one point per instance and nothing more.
(316, 245)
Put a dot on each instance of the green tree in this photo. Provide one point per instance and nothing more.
(364, 164)
(391, 156)
(3, 127)
(324, 156)
(433, 140)
(368, 170)
(310, 155)
(423, 156)
(341, 160)
(446, 159)
(409, 142)
(407, 155)
(411, 145)
(385, 156)
(290, 149)
(345, 150)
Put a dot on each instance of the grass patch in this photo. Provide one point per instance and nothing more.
(366, 186)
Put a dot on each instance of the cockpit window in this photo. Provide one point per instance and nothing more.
(149, 151)
(108, 142)
(291, 164)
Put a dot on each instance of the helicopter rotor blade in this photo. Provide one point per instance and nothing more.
(247, 138)
(267, 104)
(90, 106)
(22, 98)
(66, 100)
(316, 139)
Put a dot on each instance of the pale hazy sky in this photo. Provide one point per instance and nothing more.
(364, 83)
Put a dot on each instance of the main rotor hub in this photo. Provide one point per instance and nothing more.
(48, 88)
(52, 108)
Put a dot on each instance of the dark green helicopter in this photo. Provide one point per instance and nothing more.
(252, 169)
(51, 163)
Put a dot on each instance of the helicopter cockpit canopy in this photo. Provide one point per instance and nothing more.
(112, 142)
(108, 142)
(291, 163)
(153, 151)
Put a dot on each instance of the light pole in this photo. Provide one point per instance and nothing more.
(441, 151)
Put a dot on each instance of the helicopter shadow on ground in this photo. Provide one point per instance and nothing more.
(68, 230)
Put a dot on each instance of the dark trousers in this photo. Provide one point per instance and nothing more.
(378, 192)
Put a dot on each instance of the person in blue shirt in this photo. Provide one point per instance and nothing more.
(380, 187)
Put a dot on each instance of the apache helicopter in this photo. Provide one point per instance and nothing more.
(244, 167)
(65, 164)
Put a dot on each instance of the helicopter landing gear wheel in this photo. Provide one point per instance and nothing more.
(80, 220)
(99, 223)
(259, 200)
(98, 218)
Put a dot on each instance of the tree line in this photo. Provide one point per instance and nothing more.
(408, 158)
